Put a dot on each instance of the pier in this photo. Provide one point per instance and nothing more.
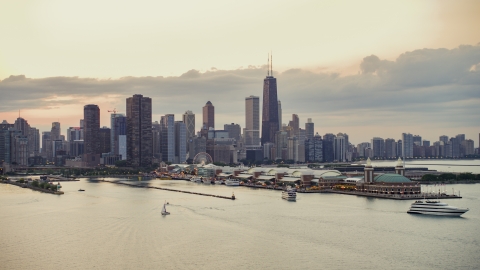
(174, 190)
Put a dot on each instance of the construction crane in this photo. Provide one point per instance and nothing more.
(114, 111)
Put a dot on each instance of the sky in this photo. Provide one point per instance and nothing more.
(365, 68)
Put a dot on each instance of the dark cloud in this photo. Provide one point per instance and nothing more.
(419, 87)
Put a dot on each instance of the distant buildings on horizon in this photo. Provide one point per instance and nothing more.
(138, 140)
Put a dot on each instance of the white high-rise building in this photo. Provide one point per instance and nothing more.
(252, 121)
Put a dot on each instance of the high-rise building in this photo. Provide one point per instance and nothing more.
(417, 140)
(180, 142)
(426, 143)
(361, 148)
(91, 117)
(407, 147)
(314, 149)
(55, 131)
(390, 148)
(167, 139)
(378, 147)
(281, 144)
(33, 142)
(139, 131)
(208, 116)
(309, 129)
(104, 138)
(460, 137)
(119, 128)
(234, 131)
(156, 138)
(328, 147)
(22, 126)
(455, 143)
(280, 115)
(468, 147)
(444, 139)
(252, 121)
(189, 120)
(399, 148)
(295, 124)
(339, 148)
(197, 145)
(270, 121)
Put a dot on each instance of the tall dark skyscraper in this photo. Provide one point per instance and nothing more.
(139, 131)
(208, 116)
(270, 108)
(91, 118)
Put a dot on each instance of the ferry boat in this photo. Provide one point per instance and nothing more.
(435, 208)
(232, 182)
(289, 194)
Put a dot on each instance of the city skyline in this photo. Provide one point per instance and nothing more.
(419, 75)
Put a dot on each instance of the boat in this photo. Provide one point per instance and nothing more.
(232, 182)
(164, 210)
(436, 208)
(196, 179)
(81, 190)
(218, 182)
(289, 194)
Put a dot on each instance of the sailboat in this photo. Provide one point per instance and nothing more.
(164, 210)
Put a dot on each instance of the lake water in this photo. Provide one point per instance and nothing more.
(112, 226)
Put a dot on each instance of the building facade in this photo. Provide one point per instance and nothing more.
(139, 131)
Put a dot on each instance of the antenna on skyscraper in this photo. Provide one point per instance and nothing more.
(268, 63)
(271, 65)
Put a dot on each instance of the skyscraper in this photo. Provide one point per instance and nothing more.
(295, 124)
(252, 121)
(279, 115)
(55, 131)
(208, 115)
(407, 145)
(91, 118)
(118, 128)
(234, 131)
(167, 137)
(189, 120)
(309, 129)
(270, 121)
(180, 142)
(378, 147)
(390, 148)
(139, 131)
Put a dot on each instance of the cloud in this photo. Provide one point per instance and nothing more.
(420, 88)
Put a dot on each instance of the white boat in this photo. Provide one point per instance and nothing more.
(232, 182)
(435, 208)
(290, 194)
(218, 182)
(164, 210)
(196, 179)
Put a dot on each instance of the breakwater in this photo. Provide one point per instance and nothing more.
(22, 185)
(170, 189)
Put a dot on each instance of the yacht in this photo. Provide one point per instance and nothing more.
(290, 194)
(232, 182)
(435, 208)
(218, 182)
(196, 179)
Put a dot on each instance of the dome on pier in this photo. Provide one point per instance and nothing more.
(391, 178)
